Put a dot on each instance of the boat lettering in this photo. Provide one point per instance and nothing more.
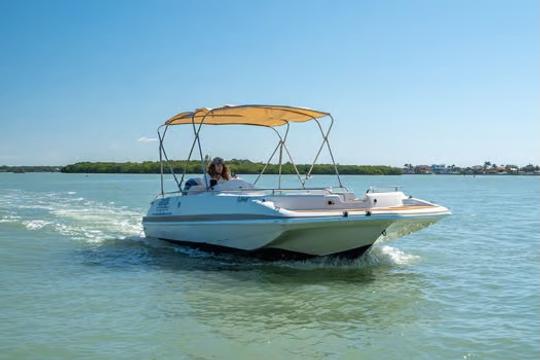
(162, 207)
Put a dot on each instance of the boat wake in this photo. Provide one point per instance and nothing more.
(67, 214)
(378, 255)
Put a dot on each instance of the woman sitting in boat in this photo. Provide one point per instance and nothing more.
(218, 179)
(218, 172)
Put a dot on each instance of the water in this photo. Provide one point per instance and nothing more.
(78, 279)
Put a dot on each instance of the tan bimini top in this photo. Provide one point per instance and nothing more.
(260, 115)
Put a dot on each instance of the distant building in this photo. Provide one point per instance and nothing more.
(496, 170)
(439, 169)
(512, 169)
(422, 169)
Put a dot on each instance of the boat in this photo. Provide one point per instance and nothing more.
(277, 222)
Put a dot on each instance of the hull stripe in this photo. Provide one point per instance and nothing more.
(210, 217)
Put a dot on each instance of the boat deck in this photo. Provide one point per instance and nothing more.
(358, 210)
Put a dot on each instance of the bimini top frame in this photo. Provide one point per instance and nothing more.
(270, 116)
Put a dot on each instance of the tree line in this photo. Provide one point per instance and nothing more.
(23, 168)
(236, 166)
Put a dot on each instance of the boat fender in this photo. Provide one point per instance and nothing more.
(368, 213)
(345, 214)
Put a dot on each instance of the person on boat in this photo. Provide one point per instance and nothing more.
(218, 172)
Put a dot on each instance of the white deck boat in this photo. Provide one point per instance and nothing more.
(278, 222)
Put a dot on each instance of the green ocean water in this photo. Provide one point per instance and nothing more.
(79, 280)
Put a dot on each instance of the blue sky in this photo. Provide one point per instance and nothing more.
(407, 81)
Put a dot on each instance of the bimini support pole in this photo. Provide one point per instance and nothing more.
(160, 158)
(283, 145)
(162, 151)
(269, 159)
(330, 149)
(188, 158)
(294, 166)
(325, 140)
(198, 139)
(280, 145)
(280, 161)
(316, 157)
(195, 141)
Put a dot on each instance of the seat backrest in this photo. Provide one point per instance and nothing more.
(235, 184)
(194, 186)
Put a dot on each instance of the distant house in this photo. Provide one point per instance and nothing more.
(439, 169)
(511, 169)
(422, 169)
(477, 169)
(497, 170)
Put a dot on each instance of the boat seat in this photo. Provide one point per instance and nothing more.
(194, 186)
(235, 184)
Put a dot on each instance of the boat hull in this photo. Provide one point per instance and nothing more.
(289, 237)
(271, 254)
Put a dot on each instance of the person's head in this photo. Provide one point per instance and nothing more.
(218, 168)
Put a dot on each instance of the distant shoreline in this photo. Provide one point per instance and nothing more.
(236, 166)
(241, 174)
(248, 167)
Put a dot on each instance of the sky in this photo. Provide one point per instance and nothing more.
(422, 82)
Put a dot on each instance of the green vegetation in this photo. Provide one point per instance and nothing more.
(23, 169)
(236, 166)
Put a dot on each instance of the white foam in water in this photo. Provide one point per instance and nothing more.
(35, 224)
(195, 253)
(376, 256)
(392, 255)
(76, 217)
(10, 219)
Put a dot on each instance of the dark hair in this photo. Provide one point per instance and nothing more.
(225, 173)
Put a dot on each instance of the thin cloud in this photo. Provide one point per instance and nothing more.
(146, 140)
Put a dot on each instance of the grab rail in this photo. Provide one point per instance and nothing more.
(389, 188)
(329, 190)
